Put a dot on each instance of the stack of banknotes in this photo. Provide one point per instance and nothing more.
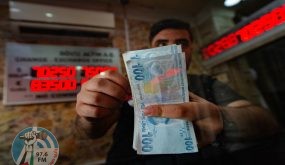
(158, 76)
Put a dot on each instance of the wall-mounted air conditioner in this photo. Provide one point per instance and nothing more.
(30, 18)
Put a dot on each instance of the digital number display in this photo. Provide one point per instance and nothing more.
(53, 71)
(52, 85)
(62, 78)
(248, 32)
(90, 71)
(38, 73)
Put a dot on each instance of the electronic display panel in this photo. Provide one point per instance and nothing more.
(47, 73)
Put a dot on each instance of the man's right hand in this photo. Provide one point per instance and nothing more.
(102, 94)
(100, 100)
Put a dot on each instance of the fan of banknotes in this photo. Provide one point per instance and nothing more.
(158, 76)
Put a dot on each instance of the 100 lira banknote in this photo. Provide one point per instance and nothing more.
(158, 76)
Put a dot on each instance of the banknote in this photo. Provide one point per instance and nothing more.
(154, 52)
(158, 76)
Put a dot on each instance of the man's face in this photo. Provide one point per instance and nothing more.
(174, 36)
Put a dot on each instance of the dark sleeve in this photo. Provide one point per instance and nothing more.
(121, 151)
(224, 94)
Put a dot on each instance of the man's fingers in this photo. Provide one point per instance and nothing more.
(117, 78)
(102, 95)
(107, 87)
(188, 111)
(98, 99)
(92, 111)
(178, 111)
(110, 83)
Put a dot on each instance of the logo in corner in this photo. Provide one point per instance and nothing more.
(35, 146)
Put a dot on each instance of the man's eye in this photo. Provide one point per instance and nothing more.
(161, 44)
(183, 43)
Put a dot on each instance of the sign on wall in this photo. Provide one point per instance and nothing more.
(248, 32)
(45, 73)
(262, 27)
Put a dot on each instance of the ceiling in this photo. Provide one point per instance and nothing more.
(191, 7)
(246, 7)
(184, 6)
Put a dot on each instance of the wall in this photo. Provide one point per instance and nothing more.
(58, 117)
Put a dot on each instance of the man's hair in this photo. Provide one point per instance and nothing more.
(169, 24)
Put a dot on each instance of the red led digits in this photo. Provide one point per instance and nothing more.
(90, 71)
(62, 85)
(220, 45)
(38, 86)
(231, 40)
(45, 85)
(61, 78)
(52, 85)
(246, 33)
(54, 71)
(279, 15)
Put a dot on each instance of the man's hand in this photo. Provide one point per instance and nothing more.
(100, 99)
(205, 116)
(102, 94)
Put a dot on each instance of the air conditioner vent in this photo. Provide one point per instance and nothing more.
(39, 19)
(62, 32)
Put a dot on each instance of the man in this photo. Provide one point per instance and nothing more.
(219, 115)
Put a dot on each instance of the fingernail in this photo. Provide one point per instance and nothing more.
(102, 73)
(147, 111)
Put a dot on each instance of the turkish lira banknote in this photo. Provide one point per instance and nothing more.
(158, 76)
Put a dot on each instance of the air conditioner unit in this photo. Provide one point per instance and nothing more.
(29, 18)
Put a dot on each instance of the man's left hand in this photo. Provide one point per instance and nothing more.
(206, 116)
